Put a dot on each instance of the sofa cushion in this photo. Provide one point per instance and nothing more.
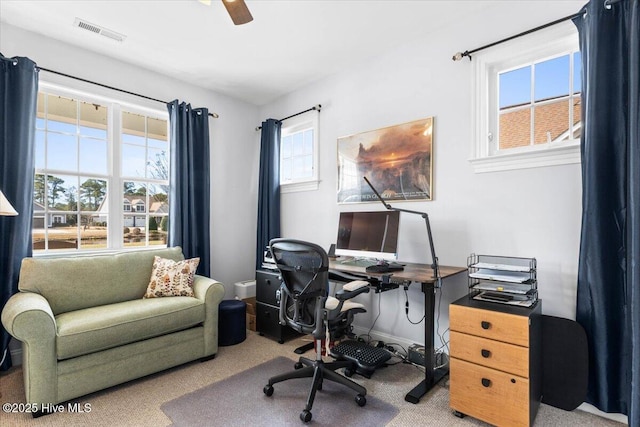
(171, 278)
(83, 281)
(99, 328)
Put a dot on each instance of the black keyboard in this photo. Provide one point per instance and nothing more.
(383, 268)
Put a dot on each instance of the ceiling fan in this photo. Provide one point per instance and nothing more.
(237, 9)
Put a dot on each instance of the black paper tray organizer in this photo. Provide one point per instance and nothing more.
(503, 279)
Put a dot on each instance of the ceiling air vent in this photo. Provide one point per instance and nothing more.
(113, 35)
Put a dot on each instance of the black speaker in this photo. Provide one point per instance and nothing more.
(332, 251)
(565, 363)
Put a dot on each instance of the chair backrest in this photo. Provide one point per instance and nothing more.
(304, 268)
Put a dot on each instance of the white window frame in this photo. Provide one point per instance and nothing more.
(115, 180)
(308, 120)
(543, 44)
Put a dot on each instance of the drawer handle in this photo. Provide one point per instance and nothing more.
(485, 324)
(486, 382)
(268, 281)
(485, 353)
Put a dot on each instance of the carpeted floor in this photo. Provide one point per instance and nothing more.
(235, 394)
(139, 403)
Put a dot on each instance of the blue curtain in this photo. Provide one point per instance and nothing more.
(189, 195)
(608, 300)
(268, 188)
(18, 97)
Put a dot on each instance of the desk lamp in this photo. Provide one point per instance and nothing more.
(434, 258)
(5, 210)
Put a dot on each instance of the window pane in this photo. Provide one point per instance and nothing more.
(93, 120)
(62, 114)
(93, 231)
(62, 231)
(39, 193)
(515, 87)
(308, 166)
(93, 155)
(577, 117)
(577, 72)
(551, 121)
(62, 192)
(308, 141)
(133, 128)
(62, 152)
(157, 129)
(298, 167)
(93, 193)
(40, 136)
(286, 170)
(286, 146)
(157, 164)
(135, 221)
(515, 128)
(158, 214)
(40, 111)
(552, 78)
(298, 148)
(133, 161)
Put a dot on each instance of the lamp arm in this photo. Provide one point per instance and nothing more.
(434, 258)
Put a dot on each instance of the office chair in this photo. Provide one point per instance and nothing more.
(305, 305)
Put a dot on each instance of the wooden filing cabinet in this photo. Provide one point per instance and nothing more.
(495, 361)
(268, 307)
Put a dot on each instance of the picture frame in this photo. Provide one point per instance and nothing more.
(397, 160)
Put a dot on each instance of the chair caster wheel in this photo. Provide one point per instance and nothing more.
(458, 414)
(298, 365)
(348, 372)
(305, 416)
(361, 400)
(268, 390)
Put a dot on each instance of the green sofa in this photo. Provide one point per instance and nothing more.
(84, 325)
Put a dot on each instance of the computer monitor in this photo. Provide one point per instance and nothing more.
(368, 234)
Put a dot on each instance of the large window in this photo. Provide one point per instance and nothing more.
(299, 153)
(527, 102)
(101, 179)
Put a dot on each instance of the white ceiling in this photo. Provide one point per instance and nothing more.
(289, 44)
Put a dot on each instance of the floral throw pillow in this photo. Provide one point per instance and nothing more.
(171, 278)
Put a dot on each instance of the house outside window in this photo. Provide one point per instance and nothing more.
(80, 165)
(299, 153)
(527, 102)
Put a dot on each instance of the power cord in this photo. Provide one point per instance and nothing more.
(406, 307)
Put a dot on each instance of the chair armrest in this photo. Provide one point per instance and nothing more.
(28, 317)
(353, 289)
(211, 292)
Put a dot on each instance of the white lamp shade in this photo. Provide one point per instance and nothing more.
(5, 207)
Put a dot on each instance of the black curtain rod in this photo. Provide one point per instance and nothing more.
(459, 55)
(214, 115)
(315, 107)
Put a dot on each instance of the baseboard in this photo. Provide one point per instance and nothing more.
(621, 418)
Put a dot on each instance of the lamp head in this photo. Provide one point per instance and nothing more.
(5, 207)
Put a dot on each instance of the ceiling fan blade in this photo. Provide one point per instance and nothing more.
(238, 11)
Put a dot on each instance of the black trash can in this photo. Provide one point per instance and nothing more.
(232, 322)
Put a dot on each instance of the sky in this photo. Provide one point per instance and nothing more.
(551, 79)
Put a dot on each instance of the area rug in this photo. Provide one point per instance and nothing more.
(239, 400)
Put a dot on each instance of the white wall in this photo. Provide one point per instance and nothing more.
(531, 212)
(233, 188)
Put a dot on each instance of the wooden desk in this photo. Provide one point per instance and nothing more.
(423, 274)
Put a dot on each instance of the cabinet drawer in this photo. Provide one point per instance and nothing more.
(489, 395)
(505, 357)
(494, 325)
(267, 284)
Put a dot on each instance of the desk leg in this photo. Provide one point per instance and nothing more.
(432, 376)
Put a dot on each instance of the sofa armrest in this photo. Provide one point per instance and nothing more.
(211, 292)
(28, 318)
